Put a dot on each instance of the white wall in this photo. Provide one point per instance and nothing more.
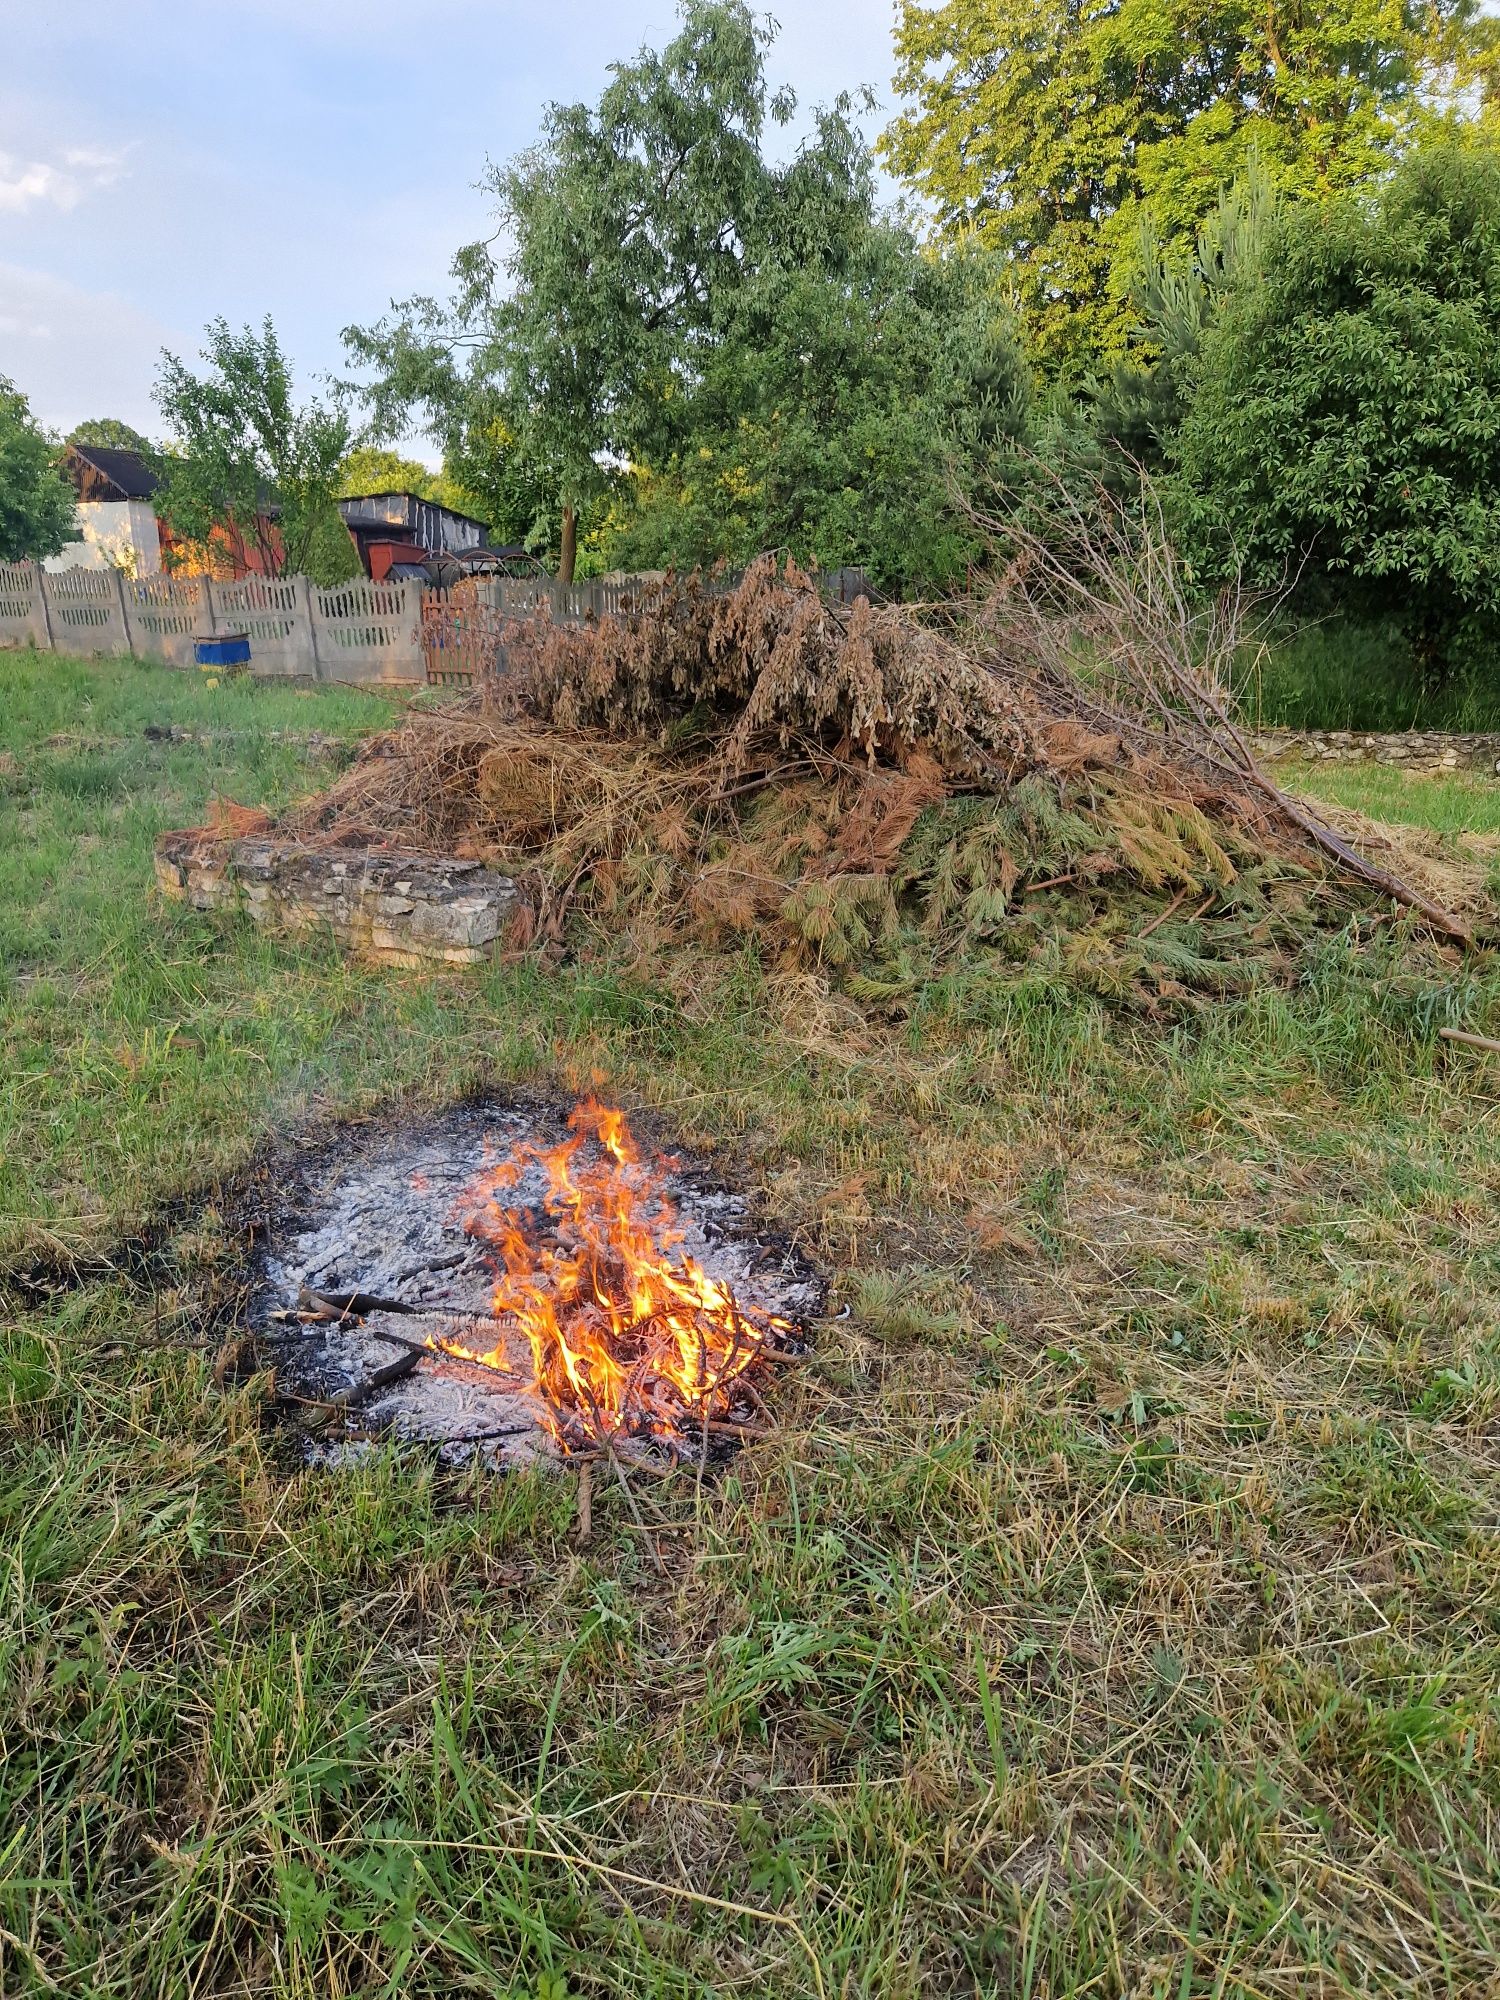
(117, 534)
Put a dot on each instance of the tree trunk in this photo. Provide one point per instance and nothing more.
(569, 552)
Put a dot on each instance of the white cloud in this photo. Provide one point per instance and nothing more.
(84, 171)
(77, 353)
(21, 185)
(104, 168)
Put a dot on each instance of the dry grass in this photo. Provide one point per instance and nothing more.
(1113, 1614)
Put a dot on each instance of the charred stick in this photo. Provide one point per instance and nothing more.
(499, 1431)
(356, 1393)
(436, 1264)
(348, 1305)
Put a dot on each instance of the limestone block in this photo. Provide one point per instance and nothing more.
(1411, 750)
(398, 907)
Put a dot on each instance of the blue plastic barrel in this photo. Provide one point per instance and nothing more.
(226, 649)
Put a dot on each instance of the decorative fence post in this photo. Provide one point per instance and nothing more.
(122, 610)
(137, 640)
(41, 598)
(302, 590)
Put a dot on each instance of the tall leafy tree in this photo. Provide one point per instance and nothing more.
(250, 464)
(833, 412)
(622, 229)
(1346, 411)
(109, 433)
(373, 468)
(36, 503)
(1048, 127)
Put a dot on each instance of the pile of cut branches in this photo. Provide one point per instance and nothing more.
(869, 790)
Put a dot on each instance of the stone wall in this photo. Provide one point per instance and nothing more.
(397, 907)
(1412, 749)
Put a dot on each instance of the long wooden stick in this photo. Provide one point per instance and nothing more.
(381, 1379)
(1339, 850)
(1470, 1041)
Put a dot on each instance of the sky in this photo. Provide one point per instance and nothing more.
(310, 159)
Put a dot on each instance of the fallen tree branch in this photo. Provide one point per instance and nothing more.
(1102, 584)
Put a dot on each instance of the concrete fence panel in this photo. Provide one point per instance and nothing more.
(516, 597)
(357, 631)
(369, 632)
(86, 608)
(275, 615)
(568, 603)
(23, 609)
(164, 614)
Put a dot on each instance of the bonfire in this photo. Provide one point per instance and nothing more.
(629, 1336)
(550, 1289)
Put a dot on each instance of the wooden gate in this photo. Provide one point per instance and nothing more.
(461, 638)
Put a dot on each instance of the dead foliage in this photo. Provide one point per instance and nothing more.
(859, 788)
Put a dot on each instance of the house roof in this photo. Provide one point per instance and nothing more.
(127, 471)
(376, 509)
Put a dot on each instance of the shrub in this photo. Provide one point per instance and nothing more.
(1347, 408)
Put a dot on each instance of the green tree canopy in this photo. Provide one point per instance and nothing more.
(109, 433)
(624, 227)
(36, 503)
(1049, 127)
(372, 468)
(1347, 404)
(832, 409)
(243, 450)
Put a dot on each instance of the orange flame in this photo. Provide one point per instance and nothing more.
(629, 1336)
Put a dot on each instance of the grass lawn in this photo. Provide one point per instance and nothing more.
(1460, 802)
(1117, 1613)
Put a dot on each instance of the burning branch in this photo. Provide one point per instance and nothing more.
(631, 1340)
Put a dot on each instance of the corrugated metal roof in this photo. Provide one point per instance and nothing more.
(400, 510)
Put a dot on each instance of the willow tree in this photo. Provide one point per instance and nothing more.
(618, 234)
(1051, 128)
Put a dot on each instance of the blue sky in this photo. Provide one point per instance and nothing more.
(160, 164)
